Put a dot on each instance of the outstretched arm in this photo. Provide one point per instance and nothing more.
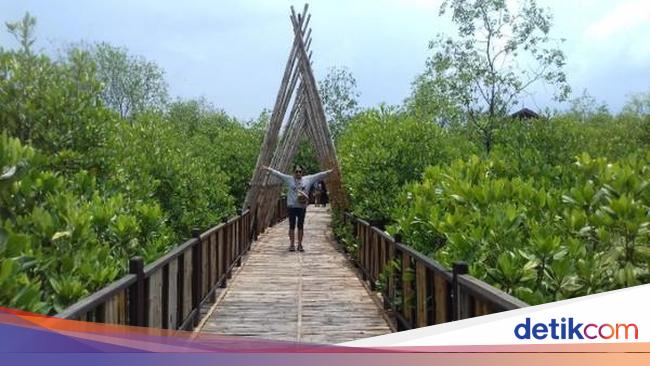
(317, 177)
(284, 177)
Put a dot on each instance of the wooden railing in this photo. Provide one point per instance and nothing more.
(169, 292)
(281, 210)
(419, 290)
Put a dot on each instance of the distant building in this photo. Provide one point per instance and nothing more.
(525, 113)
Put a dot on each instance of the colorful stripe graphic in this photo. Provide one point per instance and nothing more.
(28, 338)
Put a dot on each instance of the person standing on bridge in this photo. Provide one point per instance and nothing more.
(297, 199)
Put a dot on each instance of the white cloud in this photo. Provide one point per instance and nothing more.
(626, 16)
(619, 38)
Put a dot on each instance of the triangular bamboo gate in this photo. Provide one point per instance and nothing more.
(306, 116)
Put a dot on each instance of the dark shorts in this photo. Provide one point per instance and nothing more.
(296, 213)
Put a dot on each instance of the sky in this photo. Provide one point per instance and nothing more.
(233, 53)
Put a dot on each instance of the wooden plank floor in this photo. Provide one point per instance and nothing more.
(313, 296)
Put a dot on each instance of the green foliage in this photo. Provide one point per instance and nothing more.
(339, 95)
(16, 288)
(480, 71)
(66, 244)
(531, 236)
(82, 190)
(538, 217)
(544, 145)
(229, 145)
(586, 108)
(53, 105)
(130, 84)
(154, 159)
(23, 32)
(306, 157)
(638, 105)
(430, 103)
(344, 234)
(382, 150)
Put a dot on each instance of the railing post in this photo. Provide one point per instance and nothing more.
(389, 297)
(224, 251)
(239, 227)
(136, 293)
(247, 226)
(228, 250)
(372, 248)
(197, 274)
(254, 218)
(407, 290)
(363, 243)
(459, 268)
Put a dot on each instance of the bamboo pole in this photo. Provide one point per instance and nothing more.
(298, 88)
(319, 119)
(271, 136)
(283, 156)
(266, 196)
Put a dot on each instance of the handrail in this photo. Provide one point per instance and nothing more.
(169, 292)
(171, 255)
(97, 298)
(428, 262)
(211, 231)
(418, 290)
(497, 297)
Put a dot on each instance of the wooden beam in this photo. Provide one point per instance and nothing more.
(319, 119)
(271, 136)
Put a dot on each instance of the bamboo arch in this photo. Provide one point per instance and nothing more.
(306, 117)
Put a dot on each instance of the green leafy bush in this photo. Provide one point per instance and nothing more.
(83, 190)
(382, 150)
(537, 216)
(343, 231)
(529, 236)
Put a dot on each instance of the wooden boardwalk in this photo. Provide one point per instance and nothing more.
(315, 296)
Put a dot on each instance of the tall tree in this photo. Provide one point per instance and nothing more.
(23, 32)
(428, 102)
(339, 93)
(585, 107)
(638, 104)
(497, 54)
(132, 84)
